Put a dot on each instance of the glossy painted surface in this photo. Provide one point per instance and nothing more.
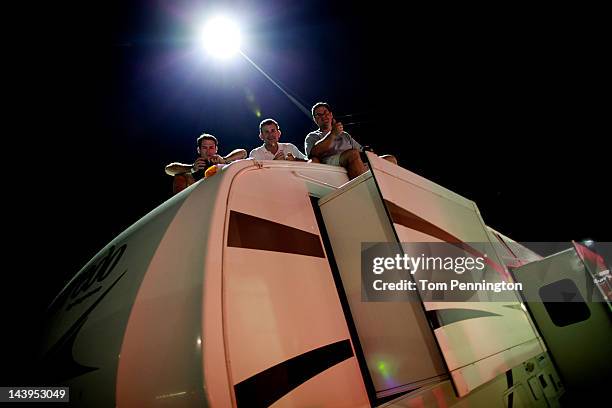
(172, 313)
(283, 302)
(510, 336)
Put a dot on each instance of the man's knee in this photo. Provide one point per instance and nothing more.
(349, 156)
(389, 157)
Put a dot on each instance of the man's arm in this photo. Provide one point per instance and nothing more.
(180, 168)
(295, 153)
(236, 154)
(175, 168)
(325, 143)
(321, 146)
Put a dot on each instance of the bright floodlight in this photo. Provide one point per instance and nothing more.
(221, 37)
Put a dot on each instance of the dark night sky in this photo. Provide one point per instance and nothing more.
(505, 110)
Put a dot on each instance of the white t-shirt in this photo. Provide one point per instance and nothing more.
(261, 153)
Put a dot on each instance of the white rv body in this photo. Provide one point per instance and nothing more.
(227, 295)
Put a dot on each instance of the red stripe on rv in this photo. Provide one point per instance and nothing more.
(408, 219)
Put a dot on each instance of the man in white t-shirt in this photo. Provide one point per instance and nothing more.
(272, 149)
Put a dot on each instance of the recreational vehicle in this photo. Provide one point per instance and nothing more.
(245, 290)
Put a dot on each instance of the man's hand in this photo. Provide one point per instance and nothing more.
(337, 128)
(199, 164)
(279, 155)
(290, 157)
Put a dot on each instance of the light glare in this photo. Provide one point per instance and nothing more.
(221, 37)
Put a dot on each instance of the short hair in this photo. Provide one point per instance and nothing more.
(206, 136)
(268, 121)
(318, 105)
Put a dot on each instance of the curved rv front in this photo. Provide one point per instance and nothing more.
(228, 295)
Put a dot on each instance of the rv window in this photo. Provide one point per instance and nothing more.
(564, 303)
